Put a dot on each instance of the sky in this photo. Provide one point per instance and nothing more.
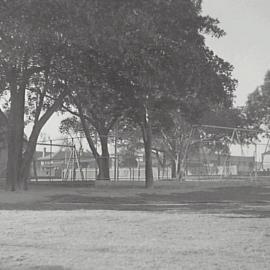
(246, 45)
(247, 42)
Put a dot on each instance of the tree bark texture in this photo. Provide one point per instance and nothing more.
(173, 168)
(104, 159)
(15, 133)
(88, 137)
(31, 145)
(147, 139)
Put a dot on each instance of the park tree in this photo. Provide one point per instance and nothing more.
(171, 136)
(175, 133)
(146, 52)
(34, 42)
(161, 56)
(168, 62)
(129, 143)
(257, 107)
(97, 101)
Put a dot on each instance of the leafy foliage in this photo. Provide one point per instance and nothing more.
(258, 106)
(110, 60)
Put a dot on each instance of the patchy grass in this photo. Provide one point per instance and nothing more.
(192, 225)
(207, 196)
(84, 239)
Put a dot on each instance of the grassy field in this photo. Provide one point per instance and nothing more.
(191, 225)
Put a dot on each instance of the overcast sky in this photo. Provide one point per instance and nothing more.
(247, 43)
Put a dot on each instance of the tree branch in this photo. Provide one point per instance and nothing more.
(113, 121)
(87, 134)
(70, 111)
(77, 113)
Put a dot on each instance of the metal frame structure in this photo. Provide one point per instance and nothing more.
(73, 160)
(234, 135)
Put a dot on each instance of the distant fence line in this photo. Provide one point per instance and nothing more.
(72, 161)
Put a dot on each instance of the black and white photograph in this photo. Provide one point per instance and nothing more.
(134, 135)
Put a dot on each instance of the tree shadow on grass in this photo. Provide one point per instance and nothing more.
(238, 194)
(243, 200)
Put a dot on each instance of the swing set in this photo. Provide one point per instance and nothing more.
(70, 164)
(229, 162)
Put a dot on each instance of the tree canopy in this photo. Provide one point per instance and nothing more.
(107, 60)
(258, 105)
(34, 46)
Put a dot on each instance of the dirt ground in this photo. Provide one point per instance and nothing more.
(192, 225)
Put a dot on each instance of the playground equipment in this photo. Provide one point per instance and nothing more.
(207, 152)
(221, 152)
(58, 165)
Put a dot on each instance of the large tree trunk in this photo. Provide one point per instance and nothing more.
(88, 136)
(15, 133)
(12, 163)
(147, 139)
(104, 159)
(173, 168)
(180, 167)
(28, 157)
(20, 123)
